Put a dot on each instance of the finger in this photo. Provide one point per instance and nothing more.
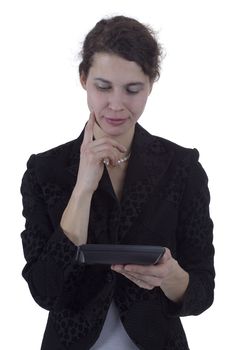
(142, 278)
(149, 270)
(107, 157)
(89, 129)
(105, 151)
(109, 142)
(153, 281)
(142, 275)
(142, 283)
(166, 256)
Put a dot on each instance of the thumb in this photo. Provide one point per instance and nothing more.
(166, 256)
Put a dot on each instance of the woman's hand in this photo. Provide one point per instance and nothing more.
(168, 275)
(92, 155)
(75, 218)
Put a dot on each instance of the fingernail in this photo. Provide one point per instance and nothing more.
(116, 268)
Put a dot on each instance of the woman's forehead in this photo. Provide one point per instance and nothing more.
(113, 67)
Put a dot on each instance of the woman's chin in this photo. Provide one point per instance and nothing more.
(113, 131)
(113, 128)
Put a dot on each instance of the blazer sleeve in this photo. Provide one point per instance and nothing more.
(195, 251)
(50, 255)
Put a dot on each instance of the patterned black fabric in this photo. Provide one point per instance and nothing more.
(165, 202)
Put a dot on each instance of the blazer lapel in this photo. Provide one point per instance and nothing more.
(148, 163)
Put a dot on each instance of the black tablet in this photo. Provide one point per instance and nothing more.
(111, 254)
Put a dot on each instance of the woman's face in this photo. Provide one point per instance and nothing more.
(117, 91)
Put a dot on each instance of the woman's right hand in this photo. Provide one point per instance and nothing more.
(75, 218)
(92, 155)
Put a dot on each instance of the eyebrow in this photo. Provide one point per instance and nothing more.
(136, 83)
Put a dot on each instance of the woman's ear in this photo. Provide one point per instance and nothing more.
(83, 80)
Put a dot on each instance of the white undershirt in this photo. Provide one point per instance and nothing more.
(113, 335)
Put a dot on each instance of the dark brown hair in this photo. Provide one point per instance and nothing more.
(127, 38)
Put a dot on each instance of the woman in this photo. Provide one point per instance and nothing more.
(117, 183)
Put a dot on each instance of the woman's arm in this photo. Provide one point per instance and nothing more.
(51, 271)
(48, 252)
(75, 218)
(188, 282)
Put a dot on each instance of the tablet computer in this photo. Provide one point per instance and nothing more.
(112, 254)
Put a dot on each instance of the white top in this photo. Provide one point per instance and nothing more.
(113, 335)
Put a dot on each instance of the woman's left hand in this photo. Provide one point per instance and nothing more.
(168, 275)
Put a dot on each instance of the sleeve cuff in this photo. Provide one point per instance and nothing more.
(60, 249)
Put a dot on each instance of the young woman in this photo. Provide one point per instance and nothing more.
(118, 184)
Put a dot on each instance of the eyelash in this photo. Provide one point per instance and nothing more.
(105, 89)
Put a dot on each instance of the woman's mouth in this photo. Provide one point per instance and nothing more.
(114, 121)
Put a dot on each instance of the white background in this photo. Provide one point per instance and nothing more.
(42, 105)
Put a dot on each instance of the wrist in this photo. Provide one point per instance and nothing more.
(81, 193)
(176, 283)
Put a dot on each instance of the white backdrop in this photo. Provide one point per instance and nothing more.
(42, 105)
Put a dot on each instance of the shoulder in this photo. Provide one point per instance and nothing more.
(186, 160)
(161, 145)
(53, 164)
(49, 158)
(183, 162)
(60, 151)
(61, 154)
(178, 150)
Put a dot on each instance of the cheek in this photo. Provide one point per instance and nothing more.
(95, 102)
(138, 105)
(90, 103)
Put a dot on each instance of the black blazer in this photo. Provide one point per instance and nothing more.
(165, 202)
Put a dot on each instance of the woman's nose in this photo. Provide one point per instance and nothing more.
(116, 101)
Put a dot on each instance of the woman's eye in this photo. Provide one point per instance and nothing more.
(103, 87)
(132, 91)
